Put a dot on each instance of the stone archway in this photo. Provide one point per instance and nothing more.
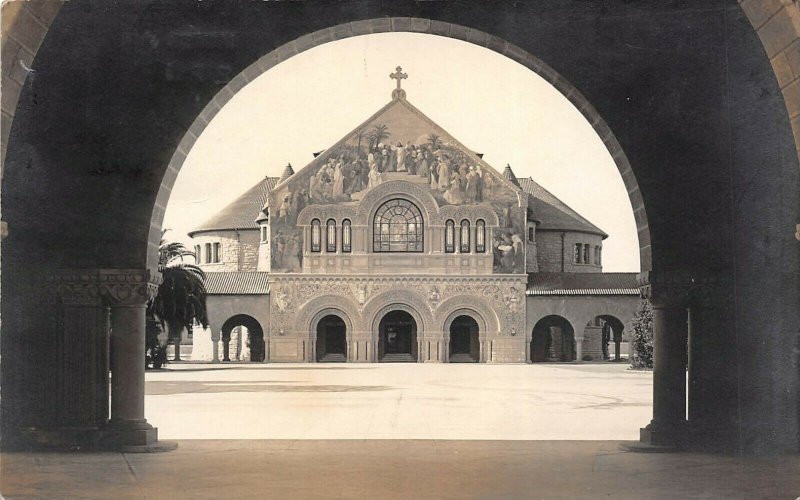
(336, 325)
(553, 339)
(706, 166)
(248, 336)
(397, 337)
(397, 317)
(474, 325)
(331, 341)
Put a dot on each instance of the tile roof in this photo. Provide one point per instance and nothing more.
(553, 213)
(242, 212)
(237, 283)
(582, 284)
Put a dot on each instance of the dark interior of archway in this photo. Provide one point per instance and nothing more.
(398, 338)
(331, 340)
(255, 337)
(553, 340)
(464, 343)
(612, 335)
(689, 94)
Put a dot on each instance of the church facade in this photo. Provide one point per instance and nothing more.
(400, 244)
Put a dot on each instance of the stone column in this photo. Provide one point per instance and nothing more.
(579, 349)
(214, 347)
(669, 301)
(83, 353)
(713, 384)
(128, 292)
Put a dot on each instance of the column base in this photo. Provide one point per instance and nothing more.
(132, 440)
(657, 438)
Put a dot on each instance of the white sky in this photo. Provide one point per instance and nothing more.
(488, 102)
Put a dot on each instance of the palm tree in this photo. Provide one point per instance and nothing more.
(360, 135)
(379, 134)
(434, 141)
(181, 298)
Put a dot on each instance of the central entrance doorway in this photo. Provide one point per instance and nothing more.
(464, 344)
(398, 338)
(331, 340)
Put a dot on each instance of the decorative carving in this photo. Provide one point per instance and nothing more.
(112, 287)
(361, 294)
(434, 296)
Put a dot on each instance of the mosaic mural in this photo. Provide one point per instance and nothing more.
(398, 143)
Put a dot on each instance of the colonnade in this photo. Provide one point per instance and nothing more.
(102, 328)
(689, 346)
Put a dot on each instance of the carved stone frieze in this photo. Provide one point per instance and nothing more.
(111, 287)
(499, 301)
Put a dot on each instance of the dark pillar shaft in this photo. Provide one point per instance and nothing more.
(669, 377)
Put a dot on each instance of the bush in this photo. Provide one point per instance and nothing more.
(642, 337)
(587, 357)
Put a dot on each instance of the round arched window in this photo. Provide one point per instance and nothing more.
(398, 227)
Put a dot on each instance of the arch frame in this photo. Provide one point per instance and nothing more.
(418, 25)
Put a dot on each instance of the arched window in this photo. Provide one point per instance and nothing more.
(398, 227)
(577, 253)
(330, 237)
(464, 236)
(315, 236)
(346, 236)
(480, 236)
(586, 255)
(449, 237)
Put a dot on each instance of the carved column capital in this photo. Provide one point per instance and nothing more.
(678, 288)
(111, 287)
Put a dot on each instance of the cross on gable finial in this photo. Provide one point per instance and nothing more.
(398, 75)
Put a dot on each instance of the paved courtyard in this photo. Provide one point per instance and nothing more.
(397, 431)
(399, 401)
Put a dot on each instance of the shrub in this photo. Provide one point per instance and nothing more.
(642, 337)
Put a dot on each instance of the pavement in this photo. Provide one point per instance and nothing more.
(399, 401)
(398, 431)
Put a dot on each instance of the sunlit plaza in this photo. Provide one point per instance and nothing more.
(399, 401)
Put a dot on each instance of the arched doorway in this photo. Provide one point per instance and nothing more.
(612, 344)
(465, 345)
(242, 339)
(553, 340)
(331, 343)
(397, 341)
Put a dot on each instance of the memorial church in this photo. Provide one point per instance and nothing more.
(400, 244)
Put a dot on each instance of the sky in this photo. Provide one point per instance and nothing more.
(488, 102)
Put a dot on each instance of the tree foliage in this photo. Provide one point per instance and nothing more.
(642, 337)
(181, 297)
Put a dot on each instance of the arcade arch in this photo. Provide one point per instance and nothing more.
(243, 339)
(397, 337)
(770, 127)
(553, 339)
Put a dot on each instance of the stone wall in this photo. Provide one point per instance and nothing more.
(238, 252)
(551, 253)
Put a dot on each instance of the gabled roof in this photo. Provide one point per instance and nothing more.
(407, 124)
(582, 284)
(554, 214)
(242, 212)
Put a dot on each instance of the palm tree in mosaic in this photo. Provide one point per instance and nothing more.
(378, 134)
(435, 141)
(180, 301)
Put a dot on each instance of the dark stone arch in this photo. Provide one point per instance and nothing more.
(706, 165)
(255, 336)
(553, 339)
